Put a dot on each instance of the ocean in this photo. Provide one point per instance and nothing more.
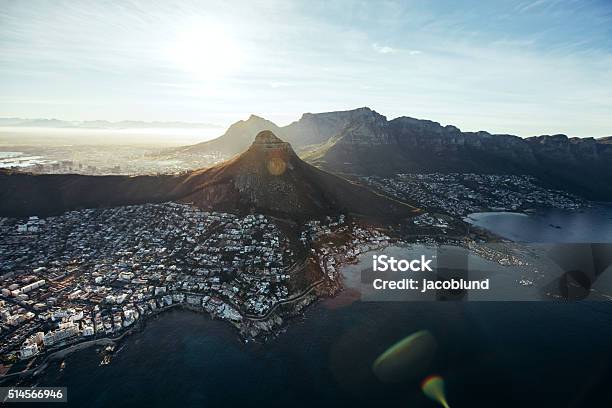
(502, 354)
(592, 224)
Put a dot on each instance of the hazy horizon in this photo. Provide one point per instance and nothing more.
(192, 132)
(49, 136)
(518, 67)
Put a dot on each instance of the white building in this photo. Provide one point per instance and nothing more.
(66, 331)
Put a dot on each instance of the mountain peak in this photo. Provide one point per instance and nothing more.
(267, 146)
(270, 178)
(254, 117)
(252, 124)
(268, 141)
(267, 137)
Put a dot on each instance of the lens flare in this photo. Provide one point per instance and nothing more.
(433, 387)
(407, 359)
(276, 166)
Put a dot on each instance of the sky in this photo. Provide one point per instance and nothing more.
(523, 67)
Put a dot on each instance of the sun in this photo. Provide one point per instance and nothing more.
(207, 51)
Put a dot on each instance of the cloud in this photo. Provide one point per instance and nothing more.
(530, 5)
(383, 49)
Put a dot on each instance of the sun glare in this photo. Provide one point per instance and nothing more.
(207, 51)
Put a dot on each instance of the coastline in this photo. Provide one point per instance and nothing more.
(102, 341)
(141, 324)
(250, 326)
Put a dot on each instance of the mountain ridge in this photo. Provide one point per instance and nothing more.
(364, 142)
(267, 178)
(318, 128)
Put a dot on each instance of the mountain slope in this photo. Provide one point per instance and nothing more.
(311, 129)
(268, 178)
(46, 194)
(363, 142)
(375, 146)
(235, 140)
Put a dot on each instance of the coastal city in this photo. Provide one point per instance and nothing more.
(96, 273)
(459, 194)
(99, 160)
(304, 204)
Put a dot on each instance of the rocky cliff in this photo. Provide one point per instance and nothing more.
(375, 146)
(363, 142)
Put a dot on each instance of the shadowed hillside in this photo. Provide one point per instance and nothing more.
(363, 142)
(269, 178)
(45, 194)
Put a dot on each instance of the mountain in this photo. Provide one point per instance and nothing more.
(235, 140)
(364, 142)
(267, 178)
(23, 194)
(375, 146)
(317, 128)
(311, 129)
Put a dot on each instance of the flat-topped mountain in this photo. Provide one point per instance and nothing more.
(311, 129)
(267, 178)
(363, 142)
(376, 146)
